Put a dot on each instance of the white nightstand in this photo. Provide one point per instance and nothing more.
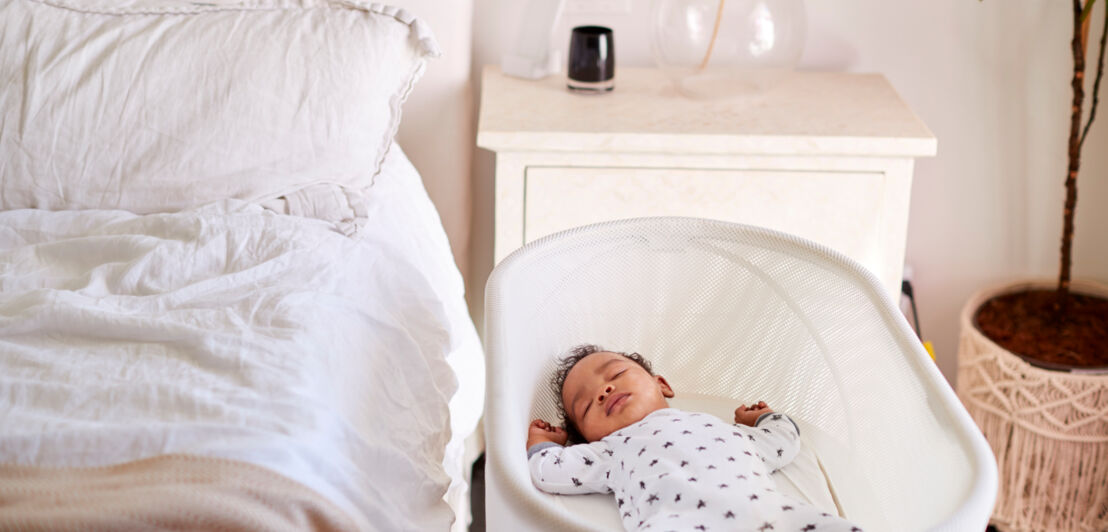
(826, 156)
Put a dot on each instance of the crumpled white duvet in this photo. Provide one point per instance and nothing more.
(229, 332)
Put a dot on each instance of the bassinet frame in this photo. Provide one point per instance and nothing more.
(902, 452)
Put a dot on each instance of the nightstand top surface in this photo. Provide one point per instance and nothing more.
(808, 113)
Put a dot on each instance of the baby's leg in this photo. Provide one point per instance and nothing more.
(803, 517)
(769, 514)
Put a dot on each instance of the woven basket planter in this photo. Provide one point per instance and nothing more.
(1048, 429)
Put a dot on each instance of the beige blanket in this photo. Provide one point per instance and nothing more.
(170, 492)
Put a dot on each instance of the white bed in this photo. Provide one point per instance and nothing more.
(332, 347)
(230, 331)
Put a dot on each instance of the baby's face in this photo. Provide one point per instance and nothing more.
(606, 391)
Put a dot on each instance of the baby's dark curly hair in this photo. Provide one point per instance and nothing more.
(562, 370)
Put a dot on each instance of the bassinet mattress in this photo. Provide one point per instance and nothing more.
(234, 333)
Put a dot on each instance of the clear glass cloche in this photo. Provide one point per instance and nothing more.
(722, 48)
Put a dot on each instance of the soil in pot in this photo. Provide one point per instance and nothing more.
(1028, 324)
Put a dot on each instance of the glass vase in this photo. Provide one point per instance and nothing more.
(723, 48)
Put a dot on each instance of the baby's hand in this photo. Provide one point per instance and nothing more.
(541, 431)
(748, 415)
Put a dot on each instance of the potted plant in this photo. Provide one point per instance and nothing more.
(1033, 365)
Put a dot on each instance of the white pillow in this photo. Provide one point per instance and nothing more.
(161, 105)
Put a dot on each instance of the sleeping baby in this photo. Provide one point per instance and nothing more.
(668, 469)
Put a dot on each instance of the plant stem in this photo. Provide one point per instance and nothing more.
(715, 33)
(1078, 84)
(1088, 9)
(1096, 83)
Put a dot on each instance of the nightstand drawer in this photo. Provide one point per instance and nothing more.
(842, 210)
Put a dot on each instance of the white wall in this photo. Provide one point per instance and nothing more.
(433, 107)
(990, 79)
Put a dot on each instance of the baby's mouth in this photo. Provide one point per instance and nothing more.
(616, 401)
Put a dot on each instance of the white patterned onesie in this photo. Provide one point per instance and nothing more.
(677, 470)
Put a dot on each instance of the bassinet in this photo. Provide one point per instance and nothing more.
(739, 313)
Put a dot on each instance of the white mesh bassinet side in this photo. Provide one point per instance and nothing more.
(742, 313)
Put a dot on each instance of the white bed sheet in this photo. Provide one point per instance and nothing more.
(230, 331)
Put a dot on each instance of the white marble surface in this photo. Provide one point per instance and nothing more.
(809, 113)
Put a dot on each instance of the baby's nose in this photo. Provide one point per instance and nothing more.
(607, 390)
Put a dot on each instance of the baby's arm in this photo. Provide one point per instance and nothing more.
(568, 470)
(776, 436)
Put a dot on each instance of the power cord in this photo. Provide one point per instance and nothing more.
(906, 289)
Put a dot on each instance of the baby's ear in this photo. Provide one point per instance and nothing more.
(667, 391)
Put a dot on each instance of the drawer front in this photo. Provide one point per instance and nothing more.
(843, 210)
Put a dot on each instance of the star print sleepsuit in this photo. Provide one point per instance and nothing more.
(677, 470)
